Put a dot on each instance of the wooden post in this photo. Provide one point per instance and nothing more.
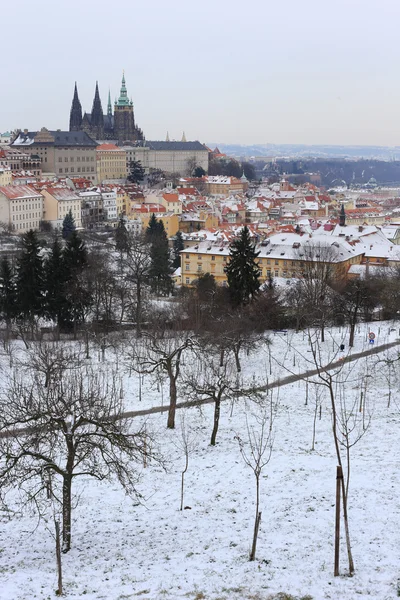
(339, 477)
(58, 556)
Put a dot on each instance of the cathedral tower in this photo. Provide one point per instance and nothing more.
(124, 120)
(75, 117)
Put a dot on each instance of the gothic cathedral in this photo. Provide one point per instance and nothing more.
(119, 127)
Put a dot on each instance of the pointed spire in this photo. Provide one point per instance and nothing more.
(75, 119)
(123, 99)
(109, 107)
(183, 137)
(167, 138)
(97, 110)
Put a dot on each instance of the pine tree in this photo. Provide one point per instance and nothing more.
(153, 228)
(178, 247)
(68, 226)
(55, 281)
(30, 279)
(77, 292)
(160, 268)
(121, 236)
(136, 171)
(242, 270)
(7, 292)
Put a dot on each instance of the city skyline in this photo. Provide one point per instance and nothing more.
(257, 74)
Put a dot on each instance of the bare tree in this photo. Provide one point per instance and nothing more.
(208, 379)
(136, 266)
(70, 428)
(348, 426)
(187, 443)
(256, 451)
(161, 351)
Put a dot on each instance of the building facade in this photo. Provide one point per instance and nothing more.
(21, 207)
(170, 157)
(111, 163)
(62, 153)
(58, 202)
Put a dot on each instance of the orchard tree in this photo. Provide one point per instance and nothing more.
(242, 270)
(71, 428)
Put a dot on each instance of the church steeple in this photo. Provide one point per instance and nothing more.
(75, 118)
(97, 120)
(183, 137)
(342, 217)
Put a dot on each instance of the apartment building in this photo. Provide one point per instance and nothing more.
(21, 207)
(58, 201)
(111, 163)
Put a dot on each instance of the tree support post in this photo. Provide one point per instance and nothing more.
(339, 478)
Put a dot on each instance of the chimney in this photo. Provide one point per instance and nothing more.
(360, 228)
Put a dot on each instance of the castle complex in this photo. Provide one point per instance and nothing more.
(119, 126)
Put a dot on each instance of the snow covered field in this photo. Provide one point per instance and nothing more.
(151, 550)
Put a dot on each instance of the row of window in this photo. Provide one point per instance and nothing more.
(76, 159)
(78, 170)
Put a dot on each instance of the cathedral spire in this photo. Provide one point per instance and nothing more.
(183, 137)
(75, 118)
(97, 117)
(123, 99)
(167, 138)
(109, 107)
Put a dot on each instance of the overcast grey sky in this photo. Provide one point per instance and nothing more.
(282, 71)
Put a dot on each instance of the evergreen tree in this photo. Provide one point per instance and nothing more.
(242, 270)
(153, 228)
(121, 236)
(30, 278)
(160, 268)
(77, 292)
(178, 247)
(136, 171)
(7, 292)
(68, 226)
(56, 304)
(199, 172)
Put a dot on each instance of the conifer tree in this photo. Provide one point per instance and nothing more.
(7, 292)
(68, 226)
(30, 279)
(55, 281)
(76, 288)
(242, 270)
(121, 236)
(160, 268)
(153, 228)
(178, 247)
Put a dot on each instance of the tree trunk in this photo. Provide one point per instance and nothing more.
(236, 350)
(183, 477)
(58, 558)
(172, 399)
(352, 331)
(221, 357)
(138, 310)
(322, 331)
(67, 507)
(217, 410)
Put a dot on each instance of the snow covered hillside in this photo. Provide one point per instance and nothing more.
(126, 549)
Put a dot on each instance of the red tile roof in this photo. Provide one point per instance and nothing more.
(13, 192)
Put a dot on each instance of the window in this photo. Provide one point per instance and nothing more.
(268, 273)
(276, 272)
(268, 261)
(213, 258)
(277, 262)
(60, 170)
(199, 268)
(59, 159)
(187, 280)
(65, 159)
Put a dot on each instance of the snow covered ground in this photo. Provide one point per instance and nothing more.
(151, 550)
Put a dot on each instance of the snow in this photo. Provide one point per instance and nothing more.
(151, 550)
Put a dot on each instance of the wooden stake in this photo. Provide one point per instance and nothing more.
(339, 477)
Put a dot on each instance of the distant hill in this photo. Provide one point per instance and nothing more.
(385, 153)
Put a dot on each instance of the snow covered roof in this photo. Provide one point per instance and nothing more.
(15, 192)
